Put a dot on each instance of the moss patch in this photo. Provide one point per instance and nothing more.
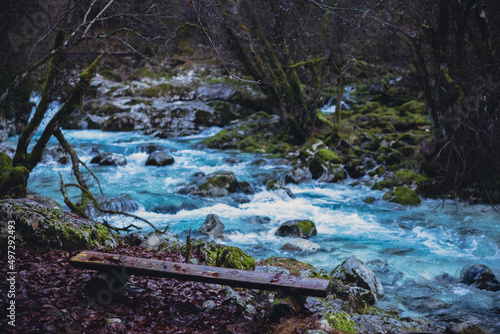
(292, 265)
(329, 156)
(342, 322)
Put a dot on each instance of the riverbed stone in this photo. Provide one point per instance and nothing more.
(354, 271)
(109, 159)
(217, 184)
(300, 228)
(159, 158)
(480, 277)
(212, 226)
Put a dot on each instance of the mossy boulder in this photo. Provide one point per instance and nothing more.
(408, 177)
(402, 195)
(329, 156)
(159, 158)
(217, 184)
(228, 257)
(299, 228)
(44, 227)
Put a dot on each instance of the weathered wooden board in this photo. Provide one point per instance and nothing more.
(207, 274)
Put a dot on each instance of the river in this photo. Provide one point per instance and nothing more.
(417, 251)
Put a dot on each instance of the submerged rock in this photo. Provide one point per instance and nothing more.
(297, 228)
(159, 158)
(122, 203)
(480, 277)
(278, 185)
(300, 245)
(212, 226)
(109, 159)
(354, 271)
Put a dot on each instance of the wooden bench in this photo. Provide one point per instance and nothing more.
(114, 270)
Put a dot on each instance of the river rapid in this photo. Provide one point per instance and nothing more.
(416, 251)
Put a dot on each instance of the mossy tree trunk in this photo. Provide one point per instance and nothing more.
(14, 173)
(458, 67)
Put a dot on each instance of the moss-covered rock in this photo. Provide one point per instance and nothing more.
(408, 177)
(402, 195)
(228, 257)
(46, 227)
(342, 322)
(300, 228)
(329, 156)
(217, 184)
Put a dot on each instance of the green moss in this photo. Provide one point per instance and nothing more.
(407, 176)
(382, 184)
(329, 156)
(228, 257)
(342, 322)
(402, 195)
(292, 265)
(13, 180)
(369, 200)
(306, 226)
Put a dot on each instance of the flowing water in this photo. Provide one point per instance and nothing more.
(411, 249)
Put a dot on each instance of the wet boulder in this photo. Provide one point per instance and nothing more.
(212, 226)
(246, 188)
(299, 228)
(298, 174)
(217, 184)
(109, 159)
(480, 277)
(159, 158)
(354, 271)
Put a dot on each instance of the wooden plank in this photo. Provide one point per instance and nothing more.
(191, 272)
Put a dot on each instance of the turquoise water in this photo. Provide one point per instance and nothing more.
(406, 246)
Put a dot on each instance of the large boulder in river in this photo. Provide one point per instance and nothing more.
(109, 159)
(217, 184)
(212, 226)
(354, 271)
(159, 158)
(303, 228)
(480, 277)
